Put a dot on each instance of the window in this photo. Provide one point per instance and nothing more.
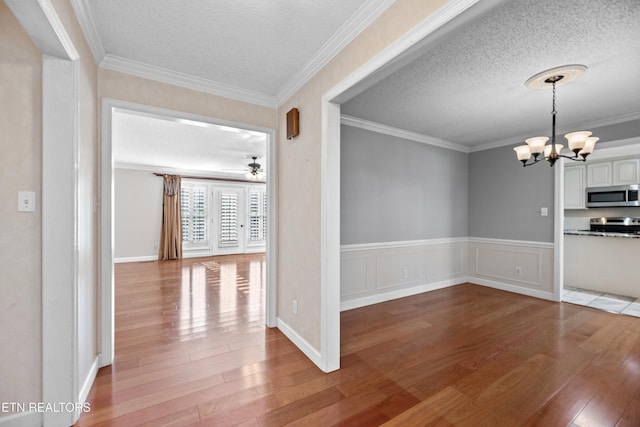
(228, 235)
(222, 218)
(193, 203)
(257, 215)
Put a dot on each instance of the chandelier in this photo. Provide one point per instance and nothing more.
(581, 143)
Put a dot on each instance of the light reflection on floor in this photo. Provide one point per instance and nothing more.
(226, 293)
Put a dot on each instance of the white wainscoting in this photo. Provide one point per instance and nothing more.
(512, 265)
(376, 272)
(373, 273)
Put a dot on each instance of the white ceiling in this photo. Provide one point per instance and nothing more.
(165, 144)
(463, 85)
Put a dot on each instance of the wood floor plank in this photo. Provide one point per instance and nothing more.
(192, 350)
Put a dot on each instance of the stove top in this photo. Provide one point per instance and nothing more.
(617, 224)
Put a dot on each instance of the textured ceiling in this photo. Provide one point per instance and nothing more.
(251, 44)
(468, 85)
(463, 84)
(257, 46)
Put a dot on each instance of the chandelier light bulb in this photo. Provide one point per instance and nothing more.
(589, 146)
(536, 144)
(577, 140)
(523, 152)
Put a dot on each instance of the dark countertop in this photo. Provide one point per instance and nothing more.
(600, 234)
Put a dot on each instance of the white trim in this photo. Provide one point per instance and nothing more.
(271, 245)
(400, 293)
(358, 22)
(192, 173)
(330, 238)
(619, 148)
(299, 342)
(529, 244)
(512, 288)
(558, 231)
(82, 9)
(107, 237)
(88, 381)
(443, 15)
(59, 235)
(401, 133)
(146, 258)
(40, 20)
(22, 419)
(152, 72)
(400, 244)
(330, 176)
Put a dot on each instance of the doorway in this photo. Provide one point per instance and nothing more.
(111, 107)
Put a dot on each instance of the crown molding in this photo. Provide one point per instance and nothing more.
(401, 133)
(83, 13)
(41, 22)
(593, 124)
(140, 69)
(357, 23)
(368, 13)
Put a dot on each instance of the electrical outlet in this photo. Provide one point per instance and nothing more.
(405, 273)
(294, 306)
(518, 271)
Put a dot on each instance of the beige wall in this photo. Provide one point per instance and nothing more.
(20, 233)
(299, 185)
(125, 87)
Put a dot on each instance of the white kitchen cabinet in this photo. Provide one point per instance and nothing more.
(575, 180)
(617, 172)
(626, 171)
(599, 174)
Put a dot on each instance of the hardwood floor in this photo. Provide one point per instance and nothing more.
(192, 350)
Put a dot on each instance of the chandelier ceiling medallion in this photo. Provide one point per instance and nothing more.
(581, 143)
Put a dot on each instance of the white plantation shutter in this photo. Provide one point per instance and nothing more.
(228, 220)
(193, 201)
(257, 215)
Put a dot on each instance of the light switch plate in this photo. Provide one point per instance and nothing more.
(544, 211)
(26, 201)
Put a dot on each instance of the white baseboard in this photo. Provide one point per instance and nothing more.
(313, 354)
(88, 382)
(513, 288)
(399, 293)
(136, 259)
(23, 419)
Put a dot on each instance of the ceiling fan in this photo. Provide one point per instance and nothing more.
(255, 172)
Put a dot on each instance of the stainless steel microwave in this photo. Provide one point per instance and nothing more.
(618, 195)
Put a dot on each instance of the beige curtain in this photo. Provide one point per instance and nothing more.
(171, 233)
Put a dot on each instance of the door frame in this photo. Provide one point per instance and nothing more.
(107, 304)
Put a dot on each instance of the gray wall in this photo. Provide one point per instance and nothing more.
(393, 189)
(505, 198)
